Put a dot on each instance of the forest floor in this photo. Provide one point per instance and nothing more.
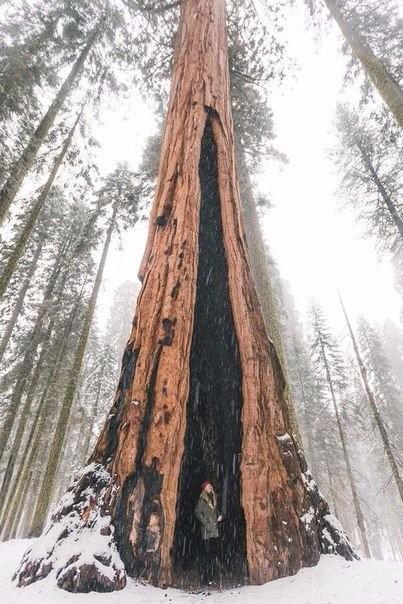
(333, 581)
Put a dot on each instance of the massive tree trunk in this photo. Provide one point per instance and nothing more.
(22, 240)
(387, 445)
(201, 390)
(386, 85)
(25, 162)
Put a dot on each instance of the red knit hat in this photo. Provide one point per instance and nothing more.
(205, 483)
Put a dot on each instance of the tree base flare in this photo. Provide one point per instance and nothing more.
(318, 520)
(331, 535)
(78, 544)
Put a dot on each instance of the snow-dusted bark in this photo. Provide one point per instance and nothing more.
(320, 525)
(78, 543)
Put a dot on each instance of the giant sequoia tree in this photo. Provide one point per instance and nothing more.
(201, 390)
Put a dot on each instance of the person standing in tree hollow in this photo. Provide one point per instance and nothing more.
(206, 512)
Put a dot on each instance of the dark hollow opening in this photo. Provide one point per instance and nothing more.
(213, 431)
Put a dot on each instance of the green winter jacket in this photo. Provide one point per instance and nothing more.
(207, 514)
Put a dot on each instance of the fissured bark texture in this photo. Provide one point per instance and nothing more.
(142, 443)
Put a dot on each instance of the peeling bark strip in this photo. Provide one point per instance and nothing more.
(274, 507)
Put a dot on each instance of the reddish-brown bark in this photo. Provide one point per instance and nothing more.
(142, 444)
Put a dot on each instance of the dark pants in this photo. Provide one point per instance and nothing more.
(210, 559)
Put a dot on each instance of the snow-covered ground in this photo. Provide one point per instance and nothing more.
(333, 581)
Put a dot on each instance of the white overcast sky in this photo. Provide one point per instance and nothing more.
(313, 242)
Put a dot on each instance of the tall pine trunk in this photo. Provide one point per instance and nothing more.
(13, 503)
(35, 339)
(41, 419)
(201, 390)
(20, 300)
(308, 425)
(85, 443)
(24, 414)
(383, 81)
(387, 445)
(33, 215)
(48, 352)
(343, 440)
(388, 201)
(55, 449)
(25, 162)
(23, 503)
(330, 478)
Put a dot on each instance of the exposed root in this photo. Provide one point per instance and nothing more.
(321, 527)
(78, 543)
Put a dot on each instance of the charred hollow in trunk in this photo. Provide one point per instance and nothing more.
(213, 430)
